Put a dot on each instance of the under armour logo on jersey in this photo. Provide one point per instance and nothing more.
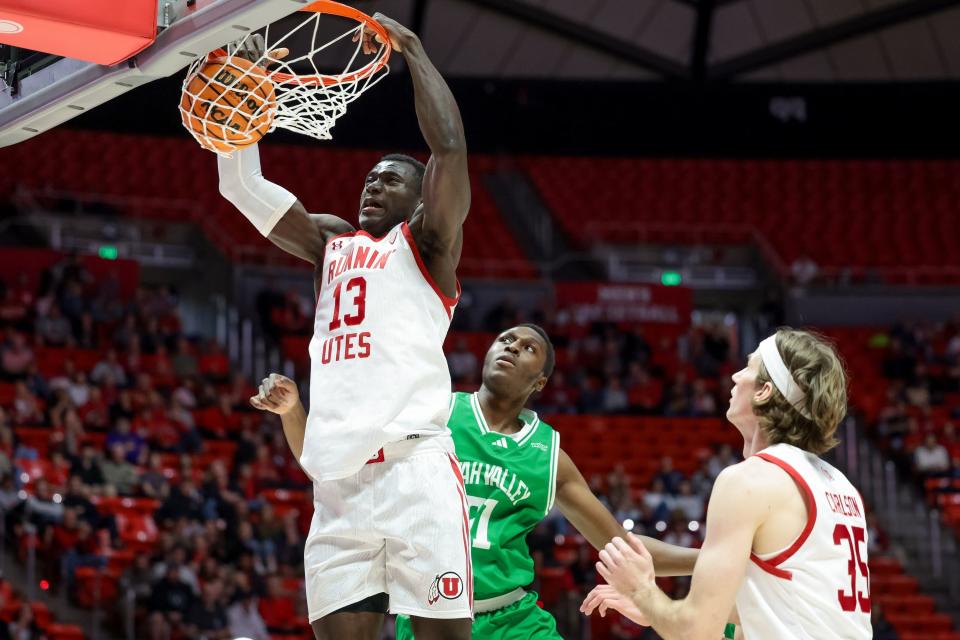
(502, 442)
(336, 245)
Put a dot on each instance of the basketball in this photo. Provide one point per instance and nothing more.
(229, 104)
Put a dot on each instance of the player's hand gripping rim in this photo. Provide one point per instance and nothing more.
(372, 41)
(252, 48)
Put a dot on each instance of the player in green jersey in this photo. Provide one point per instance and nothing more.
(514, 470)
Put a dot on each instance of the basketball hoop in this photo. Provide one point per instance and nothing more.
(306, 103)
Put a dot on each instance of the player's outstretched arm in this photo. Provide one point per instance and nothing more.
(275, 212)
(446, 182)
(736, 512)
(585, 512)
(279, 394)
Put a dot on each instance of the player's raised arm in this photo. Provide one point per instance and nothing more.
(581, 507)
(446, 182)
(736, 512)
(275, 212)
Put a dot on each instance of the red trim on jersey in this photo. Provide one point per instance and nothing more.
(375, 458)
(769, 568)
(811, 509)
(461, 489)
(448, 302)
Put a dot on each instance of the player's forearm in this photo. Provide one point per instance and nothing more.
(294, 428)
(672, 619)
(670, 560)
(677, 619)
(437, 110)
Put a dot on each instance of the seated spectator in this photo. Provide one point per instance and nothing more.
(951, 441)
(720, 461)
(689, 503)
(77, 497)
(276, 608)
(614, 397)
(41, 508)
(87, 468)
(118, 473)
(69, 435)
(703, 402)
(78, 389)
(658, 501)
(15, 356)
(26, 407)
(95, 413)
(127, 333)
(183, 502)
(35, 382)
(186, 394)
(138, 577)
(153, 482)
(183, 361)
(110, 365)
(135, 450)
(931, 457)
(171, 596)
(678, 397)
(207, 617)
(53, 329)
(679, 533)
(670, 477)
(24, 624)
(644, 391)
(462, 363)
(86, 335)
(244, 619)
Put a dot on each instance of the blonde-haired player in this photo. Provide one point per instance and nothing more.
(786, 535)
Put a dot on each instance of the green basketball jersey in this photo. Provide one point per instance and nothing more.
(511, 484)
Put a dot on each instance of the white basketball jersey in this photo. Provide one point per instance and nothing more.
(377, 369)
(819, 586)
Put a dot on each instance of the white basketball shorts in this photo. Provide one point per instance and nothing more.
(399, 526)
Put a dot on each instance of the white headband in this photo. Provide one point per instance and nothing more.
(781, 376)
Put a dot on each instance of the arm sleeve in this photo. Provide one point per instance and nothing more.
(262, 202)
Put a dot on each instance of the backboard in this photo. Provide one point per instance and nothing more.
(66, 88)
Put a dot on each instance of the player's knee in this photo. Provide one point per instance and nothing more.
(433, 629)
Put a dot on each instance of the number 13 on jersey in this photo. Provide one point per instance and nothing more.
(349, 310)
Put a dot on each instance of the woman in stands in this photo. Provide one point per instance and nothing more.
(786, 535)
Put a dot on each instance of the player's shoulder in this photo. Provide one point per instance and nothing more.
(330, 225)
(754, 476)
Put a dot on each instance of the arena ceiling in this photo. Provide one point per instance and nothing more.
(700, 40)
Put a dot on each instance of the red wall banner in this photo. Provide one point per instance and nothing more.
(601, 301)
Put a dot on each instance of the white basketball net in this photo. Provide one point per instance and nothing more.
(307, 103)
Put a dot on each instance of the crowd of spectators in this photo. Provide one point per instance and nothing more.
(917, 422)
(132, 420)
(135, 419)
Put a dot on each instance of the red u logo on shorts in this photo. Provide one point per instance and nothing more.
(451, 585)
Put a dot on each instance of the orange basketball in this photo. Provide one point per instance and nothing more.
(228, 104)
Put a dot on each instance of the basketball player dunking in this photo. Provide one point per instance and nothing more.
(390, 517)
(514, 470)
(786, 535)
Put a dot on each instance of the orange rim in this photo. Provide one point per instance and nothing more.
(344, 11)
